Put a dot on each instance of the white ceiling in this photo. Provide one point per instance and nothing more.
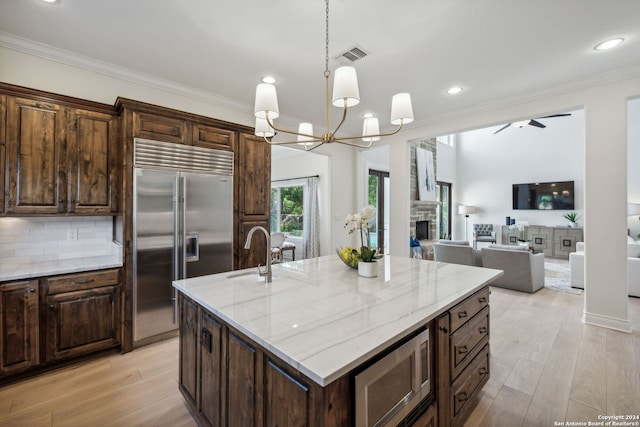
(500, 51)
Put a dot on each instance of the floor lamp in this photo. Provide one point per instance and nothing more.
(466, 210)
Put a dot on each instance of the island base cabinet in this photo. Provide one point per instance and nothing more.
(229, 380)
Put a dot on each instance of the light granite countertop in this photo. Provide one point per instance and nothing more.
(30, 270)
(322, 318)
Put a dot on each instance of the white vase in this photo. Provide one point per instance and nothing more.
(368, 269)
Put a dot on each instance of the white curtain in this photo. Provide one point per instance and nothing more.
(311, 220)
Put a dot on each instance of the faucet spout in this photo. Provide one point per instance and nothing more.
(266, 272)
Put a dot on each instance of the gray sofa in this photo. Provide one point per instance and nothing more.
(456, 252)
(523, 271)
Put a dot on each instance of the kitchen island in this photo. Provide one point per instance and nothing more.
(289, 352)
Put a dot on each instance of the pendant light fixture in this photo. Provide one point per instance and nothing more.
(345, 95)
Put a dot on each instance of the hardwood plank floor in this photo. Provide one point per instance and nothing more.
(546, 366)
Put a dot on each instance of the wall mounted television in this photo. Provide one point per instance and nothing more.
(544, 196)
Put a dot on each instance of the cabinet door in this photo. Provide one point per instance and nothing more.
(188, 349)
(36, 143)
(3, 134)
(82, 321)
(243, 392)
(254, 176)
(286, 398)
(93, 152)
(210, 137)
(211, 370)
(160, 128)
(18, 326)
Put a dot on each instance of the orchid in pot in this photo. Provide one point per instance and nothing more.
(521, 227)
(361, 222)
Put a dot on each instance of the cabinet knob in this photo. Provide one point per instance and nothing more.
(60, 200)
(51, 306)
(482, 299)
(444, 329)
(462, 349)
(462, 396)
(482, 330)
(462, 314)
(32, 290)
(483, 371)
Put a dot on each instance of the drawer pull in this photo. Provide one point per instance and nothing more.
(32, 290)
(462, 396)
(482, 299)
(85, 281)
(483, 371)
(482, 329)
(462, 349)
(462, 314)
(444, 329)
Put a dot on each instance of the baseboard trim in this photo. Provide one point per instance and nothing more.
(606, 322)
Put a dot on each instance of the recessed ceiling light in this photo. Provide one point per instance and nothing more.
(269, 79)
(609, 44)
(454, 90)
(49, 1)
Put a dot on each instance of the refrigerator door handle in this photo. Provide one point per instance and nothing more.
(192, 247)
(176, 229)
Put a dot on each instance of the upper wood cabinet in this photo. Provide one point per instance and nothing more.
(93, 163)
(60, 155)
(159, 128)
(211, 137)
(35, 151)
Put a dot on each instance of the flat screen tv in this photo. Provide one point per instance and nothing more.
(544, 196)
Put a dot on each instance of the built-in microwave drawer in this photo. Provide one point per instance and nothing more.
(466, 341)
(390, 388)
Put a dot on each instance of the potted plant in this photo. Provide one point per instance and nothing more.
(367, 256)
(573, 218)
(521, 228)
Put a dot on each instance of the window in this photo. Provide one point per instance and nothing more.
(443, 210)
(447, 139)
(286, 210)
(378, 197)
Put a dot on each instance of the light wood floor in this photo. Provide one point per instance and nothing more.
(546, 366)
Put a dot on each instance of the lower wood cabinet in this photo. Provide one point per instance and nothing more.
(229, 380)
(82, 313)
(19, 350)
(462, 342)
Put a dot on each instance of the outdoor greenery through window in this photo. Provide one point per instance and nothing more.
(286, 210)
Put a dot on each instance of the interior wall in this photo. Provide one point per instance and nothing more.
(292, 163)
(633, 160)
(488, 165)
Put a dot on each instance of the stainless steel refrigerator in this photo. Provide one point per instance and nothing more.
(183, 225)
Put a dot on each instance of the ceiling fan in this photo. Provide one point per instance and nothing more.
(532, 122)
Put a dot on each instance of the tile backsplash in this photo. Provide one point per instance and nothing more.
(42, 239)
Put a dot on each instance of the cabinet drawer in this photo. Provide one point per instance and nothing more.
(468, 340)
(210, 137)
(467, 309)
(80, 281)
(470, 381)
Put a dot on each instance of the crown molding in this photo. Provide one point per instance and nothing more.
(93, 65)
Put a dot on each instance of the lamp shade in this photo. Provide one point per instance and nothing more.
(520, 124)
(370, 127)
(633, 209)
(307, 130)
(345, 87)
(466, 210)
(266, 101)
(263, 129)
(401, 109)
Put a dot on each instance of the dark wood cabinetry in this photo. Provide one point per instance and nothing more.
(60, 154)
(36, 162)
(241, 384)
(18, 326)
(82, 313)
(462, 342)
(93, 153)
(3, 144)
(253, 197)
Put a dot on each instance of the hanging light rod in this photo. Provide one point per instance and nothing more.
(345, 95)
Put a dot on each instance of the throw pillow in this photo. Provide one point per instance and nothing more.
(454, 242)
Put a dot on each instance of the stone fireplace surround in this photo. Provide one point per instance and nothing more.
(422, 210)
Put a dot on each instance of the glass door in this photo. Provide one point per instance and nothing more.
(378, 197)
(443, 210)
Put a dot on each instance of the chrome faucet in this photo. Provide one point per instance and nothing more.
(266, 273)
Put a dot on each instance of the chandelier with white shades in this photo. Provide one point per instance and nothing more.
(345, 95)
